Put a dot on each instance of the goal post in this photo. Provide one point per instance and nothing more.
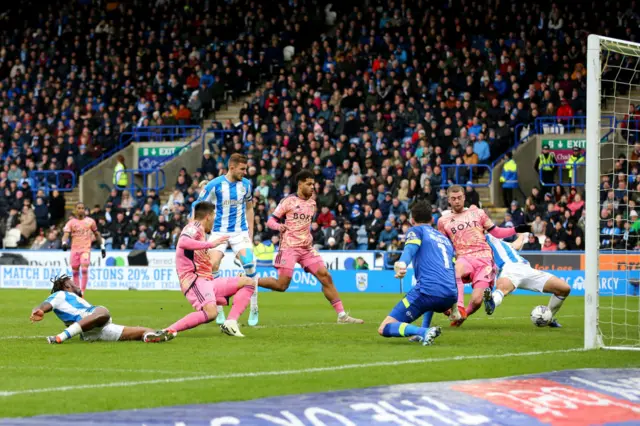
(611, 302)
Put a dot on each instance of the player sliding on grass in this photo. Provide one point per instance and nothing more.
(435, 290)
(81, 228)
(232, 196)
(474, 261)
(193, 264)
(293, 218)
(515, 272)
(93, 323)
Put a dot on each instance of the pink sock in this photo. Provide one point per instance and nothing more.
(460, 285)
(240, 302)
(76, 277)
(471, 308)
(192, 320)
(337, 305)
(84, 280)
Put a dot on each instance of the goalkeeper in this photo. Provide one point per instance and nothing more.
(435, 290)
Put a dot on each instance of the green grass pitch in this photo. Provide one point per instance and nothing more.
(297, 333)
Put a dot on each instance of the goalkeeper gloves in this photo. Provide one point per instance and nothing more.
(521, 229)
(400, 268)
(65, 245)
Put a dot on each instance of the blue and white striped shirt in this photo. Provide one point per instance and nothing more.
(69, 307)
(503, 253)
(229, 199)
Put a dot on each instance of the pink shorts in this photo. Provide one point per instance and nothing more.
(478, 271)
(204, 291)
(308, 258)
(80, 259)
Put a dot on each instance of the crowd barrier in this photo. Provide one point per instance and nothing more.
(34, 270)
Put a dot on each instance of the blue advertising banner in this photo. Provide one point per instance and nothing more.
(352, 281)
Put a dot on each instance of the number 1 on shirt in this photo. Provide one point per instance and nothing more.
(443, 249)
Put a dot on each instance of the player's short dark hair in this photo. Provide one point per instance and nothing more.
(238, 158)
(454, 188)
(421, 212)
(202, 209)
(58, 283)
(80, 203)
(303, 175)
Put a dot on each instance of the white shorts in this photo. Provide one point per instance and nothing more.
(110, 332)
(525, 277)
(237, 241)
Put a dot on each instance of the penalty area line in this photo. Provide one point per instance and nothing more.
(10, 393)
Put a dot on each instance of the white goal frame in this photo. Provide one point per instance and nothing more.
(592, 334)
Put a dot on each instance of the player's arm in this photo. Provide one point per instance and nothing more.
(204, 194)
(187, 242)
(65, 240)
(276, 221)
(502, 233)
(519, 242)
(37, 314)
(99, 240)
(410, 249)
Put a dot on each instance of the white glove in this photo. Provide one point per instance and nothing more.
(400, 268)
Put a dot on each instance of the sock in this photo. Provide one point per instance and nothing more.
(460, 285)
(240, 302)
(337, 305)
(76, 277)
(84, 279)
(192, 320)
(497, 297)
(220, 310)
(426, 319)
(69, 332)
(402, 329)
(555, 303)
(254, 298)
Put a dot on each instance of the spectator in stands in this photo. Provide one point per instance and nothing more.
(41, 212)
(532, 244)
(53, 241)
(517, 216)
(387, 235)
(509, 179)
(27, 224)
(39, 242)
(549, 245)
(120, 177)
(574, 162)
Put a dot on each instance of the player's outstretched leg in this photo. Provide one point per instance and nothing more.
(489, 303)
(98, 318)
(247, 262)
(241, 288)
(331, 294)
(477, 297)
(216, 257)
(202, 297)
(147, 335)
(560, 290)
(220, 302)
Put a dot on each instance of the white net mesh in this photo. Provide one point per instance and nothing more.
(619, 203)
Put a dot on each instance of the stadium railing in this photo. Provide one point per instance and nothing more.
(148, 134)
(50, 180)
(465, 178)
(158, 176)
(562, 167)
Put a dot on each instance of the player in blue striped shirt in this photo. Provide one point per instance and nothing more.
(232, 196)
(435, 290)
(516, 272)
(92, 323)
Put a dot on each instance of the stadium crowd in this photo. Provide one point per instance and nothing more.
(377, 100)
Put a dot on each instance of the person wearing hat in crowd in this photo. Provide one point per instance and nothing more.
(574, 162)
(633, 220)
(545, 162)
(208, 163)
(388, 234)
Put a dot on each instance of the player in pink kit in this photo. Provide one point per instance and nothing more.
(195, 272)
(81, 228)
(474, 259)
(293, 218)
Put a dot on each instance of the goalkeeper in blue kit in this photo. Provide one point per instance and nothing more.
(435, 290)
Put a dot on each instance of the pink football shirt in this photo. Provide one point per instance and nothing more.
(296, 214)
(191, 264)
(81, 232)
(466, 232)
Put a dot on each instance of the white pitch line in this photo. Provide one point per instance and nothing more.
(283, 372)
(100, 370)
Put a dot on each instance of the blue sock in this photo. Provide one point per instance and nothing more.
(426, 319)
(216, 274)
(402, 329)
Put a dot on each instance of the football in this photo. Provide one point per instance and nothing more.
(541, 316)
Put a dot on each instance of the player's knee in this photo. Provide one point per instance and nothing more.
(101, 316)
(211, 310)
(283, 283)
(323, 275)
(381, 329)
(246, 282)
(563, 289)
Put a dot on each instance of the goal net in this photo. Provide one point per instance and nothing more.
(612, 190)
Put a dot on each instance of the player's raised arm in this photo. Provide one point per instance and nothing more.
(205, 190)
(410, 249)
(275, 222)
(519, 242)
(187, 242)
(501, 233)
